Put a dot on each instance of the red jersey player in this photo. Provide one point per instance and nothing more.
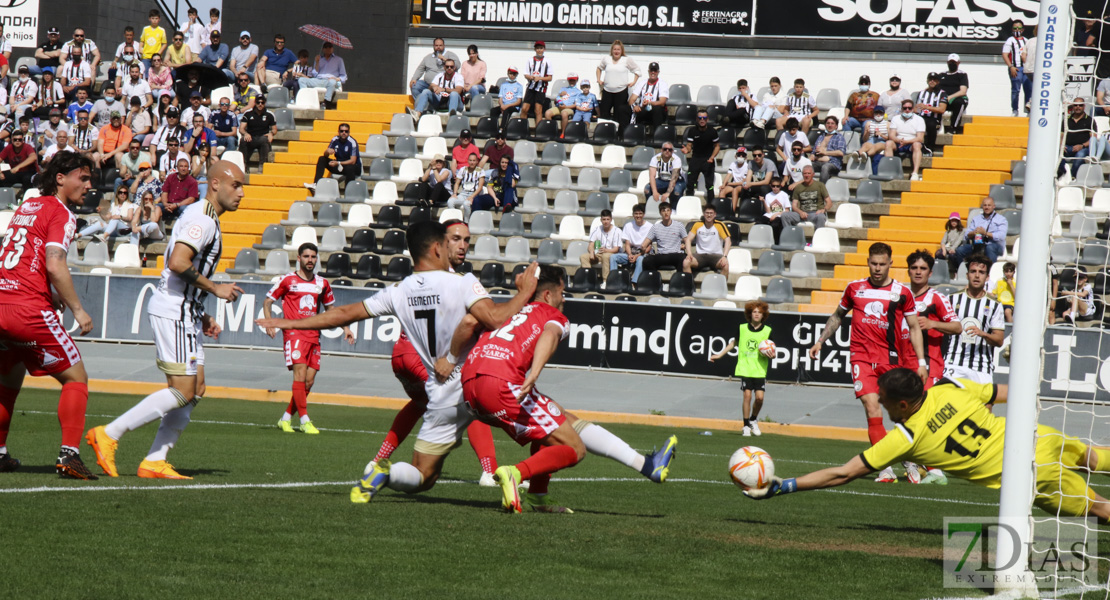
(32, 338)
(934, 314)
(303, 293)
(881, 308)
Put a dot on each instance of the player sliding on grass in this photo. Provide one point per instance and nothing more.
(303, 293)
(881, 307)
(950, 426)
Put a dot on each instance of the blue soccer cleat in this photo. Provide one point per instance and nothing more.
(657, 465)
(369, 485)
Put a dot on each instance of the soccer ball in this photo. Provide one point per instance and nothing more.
(767, 348)
(751, 468)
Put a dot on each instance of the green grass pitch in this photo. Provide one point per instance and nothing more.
(268, 516)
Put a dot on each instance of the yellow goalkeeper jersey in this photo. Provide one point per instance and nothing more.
(953, 431)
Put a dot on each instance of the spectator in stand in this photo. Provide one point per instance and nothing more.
(738, 111)
(48, 130)
(170, 130)
(473, 71)
(931, 104)
(1080, 300)
(195, 108)
(167, 163)
(81, 102)
(468, 181)
(1086, 35)
(985, 233)
(298, 72)
(61, 145)
(257, 129)
(875, 133)
(243, 58)
(340, 157)
(861, 105)
(22, 159)
(139, 121)
(906, 136)
(793, 166)
(463, 148)
(500, 190)
(1077, 137)
(115, 219)
(184, 89)
(193, 32)
(146, 221)
(891, 100)
(707, 244)
(87, 47)
(538, 74)
(146, 181)
(775, 204)
(112, 141)
(243, 96)
(48, 55)
(669, 237)
(128, 163)
(510, 97)
(604, 244)
(201, 162)
(224, 124)
(276, 61)
(128, 53)
(565, 102)
(199, 135)
(216, 53)
(1005, 289)
(49, 96)
(24, 92)
(809, 201)
(430, 66)
(771, 105)
(829, 150)
(76, 75)
(437, 180)
(701, 149)
(1102, 98)
(22, 124)
(616, 74)
(329, 73)
(447, 86)
(798, 105)
(649, 99)
(137, 87)
(102, 110)
(586, 109)
(179, 190)
(177, 55)
(760, 173)
(787, 139)
(1013, 54)
(735, 178)
(665, 180)
(495, 150)
(954, 83)
(953, 237)
(633, 235)
(153, 37)
(214, 23)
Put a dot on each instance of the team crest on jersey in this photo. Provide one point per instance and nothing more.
(71, 228)
(894, 296)
(30, 208)
(859, 386)
(195, 232)
(478, 289)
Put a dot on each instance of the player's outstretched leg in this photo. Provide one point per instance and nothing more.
(481, 440)
(7, 407)
(155, 465)
(934, 477)
(598, 440)
(559, 450)
(537, 499)
(104, 439)
(402, 425)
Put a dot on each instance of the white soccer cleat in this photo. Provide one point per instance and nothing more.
(369, 467)
(487, 480)
(755, 429)
(747, 431)
(913, 474)
(887, 476)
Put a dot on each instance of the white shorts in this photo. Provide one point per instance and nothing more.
(958, 372)
(178, 346)
(446, 418)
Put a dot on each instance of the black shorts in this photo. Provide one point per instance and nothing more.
(534, 97)
(755, 384)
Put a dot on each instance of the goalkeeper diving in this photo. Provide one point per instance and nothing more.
(950, 427)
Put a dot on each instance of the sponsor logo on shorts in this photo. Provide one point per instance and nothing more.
(49, 359)
(859, 386)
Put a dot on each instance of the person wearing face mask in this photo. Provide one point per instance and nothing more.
(24, 92)
(1013, 53)
(907, 136)
(510, 97)
(127, 54)
(875, 133)
(102, 110)
(890, 101)
(1077, 137)
(954, 83)
(861, 105)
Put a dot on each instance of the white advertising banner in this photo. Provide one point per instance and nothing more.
(21, 22)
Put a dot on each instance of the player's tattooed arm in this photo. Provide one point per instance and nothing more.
(830, 329)
(57, 271)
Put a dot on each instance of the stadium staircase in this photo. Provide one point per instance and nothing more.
(954, 182)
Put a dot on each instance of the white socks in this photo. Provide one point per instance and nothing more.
(287, 417)
(304, 419)
(601, 442)
(404, 477)
(154, 406)
(173, 424)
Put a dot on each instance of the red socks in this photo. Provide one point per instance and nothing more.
(402, 425)
(875, 429)
(538, 483)
(7, 406)
(481, 439)
(300, 398)
(71, 412)
(545, 461)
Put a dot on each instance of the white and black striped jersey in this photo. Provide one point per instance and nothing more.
(932, 98)
(199, 228)
(538, 67)
(971, 351)
(469, 180)
(801, 106)
(1012, 48)
(84, 138)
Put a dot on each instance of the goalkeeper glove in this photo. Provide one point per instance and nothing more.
(778, 487)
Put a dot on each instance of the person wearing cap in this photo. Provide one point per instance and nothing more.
(931, 104)
(243, 95)
(24, 92)
(48, 54)
(510, 97)
(1078, 136)
(193, 31)
(953, 237)
(274, 63)
(179, 53)
(733, 183)
(224, 123)
(565, 101)
(538, 74)
(437, 181)
(1013, 54)
(616, 75)
(127, 53)
(128, 162)
(137, 87)
(75, 75)
(257, 129)
(1085, 41)
(48, 96)
(954, 83)
(890, 101)
(48, 129)
(473, 71)
(139, 120)
(906, 135)
(170, 129)
(330, 72)
(341, 157)
(103, 108)
(649, 99)
(430, 66)
(462, 150)
(861, 105)
(81, 102)
(215, 54)
(494, 151)
(195, 108)
(244, 57)
(146, 180)
(447, 86)
(586, 107)
(22, 159)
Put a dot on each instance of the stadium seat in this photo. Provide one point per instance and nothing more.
(388, 217)
(492, 275)
(338, 265)
(641, 157)
(759, 236)
(455, 125)
(707, 96)
(747, 288)
(749, 210)
(550, 252)
(377, 146)
(960, 279)
(530, 176)
(604, 134)
(546, 130)
(846, 217)
(284, 119)
(649, 283)
(625, 298)
(511, 224)
(485, 248)
(713, 287)
(1012, 254)
(278, 97)
(838, 189)
(411, 170)
(791, 238)
(381, 169)
(651, 210)
(1100, 204)
(779, 290)
(328, 215)
(360, 215)
(1063, 252)
(663, 134)
(825, 239)
(595, 203)
(566, 203)
(581, 155)
(355, 192)
(658, 300)
(571, 228)
(726, 137)
(385, 193)
(1095, 254)
(448, 214)
(618, 282)
(828, 98)
(619, 181)
(510, 278)
(369, 267)
(333, 240)
(535, 201)
(869, 192)
(428, 126)
(855, 168)
(770, 263)
(246, 261)
(301, 235)
(363, 240)
(890, 169)
(739, 261)
(374, 285)
(724, 160)
(543, 227)
(576, 132)
(307, 99)
(127, 257)
(277, 263)
(517, 129)
(574, 252)
(481, 222)
(399, 268)
(682, 285)
(404, 147)
(524, 152)
(300, 213)
(687, 209)
(327, 190)
(1082, 226)
(393, 242)
(584, 280)
(432, 146)
(554, 153)
(679, 93)
(1017, 173)
(802, 264)
(480, 106)
(1089, 176)
(589, 180)
(685, 114)
(272, 237)
(940, 273)
(418, 214)
(96, 254)
(633, 135)
(622, 205)
(485, 129)
(1070, 199)
(1003, 196)
(517, 250)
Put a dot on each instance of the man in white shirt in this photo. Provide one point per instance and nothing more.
(906, 136)
(195, 35)
(137, 87)
(632, 237)
(649, 99)
(448, 85)
(793, 166)
(605, 243)
(75, 75)
(62, 145)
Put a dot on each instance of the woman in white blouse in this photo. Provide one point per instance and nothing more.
(616, 74)
(116, 220)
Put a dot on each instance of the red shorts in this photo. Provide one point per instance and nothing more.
(865, 376)
(529, 420)
(931, 381)
(36, 338)
(410, 371)
(302, 352)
